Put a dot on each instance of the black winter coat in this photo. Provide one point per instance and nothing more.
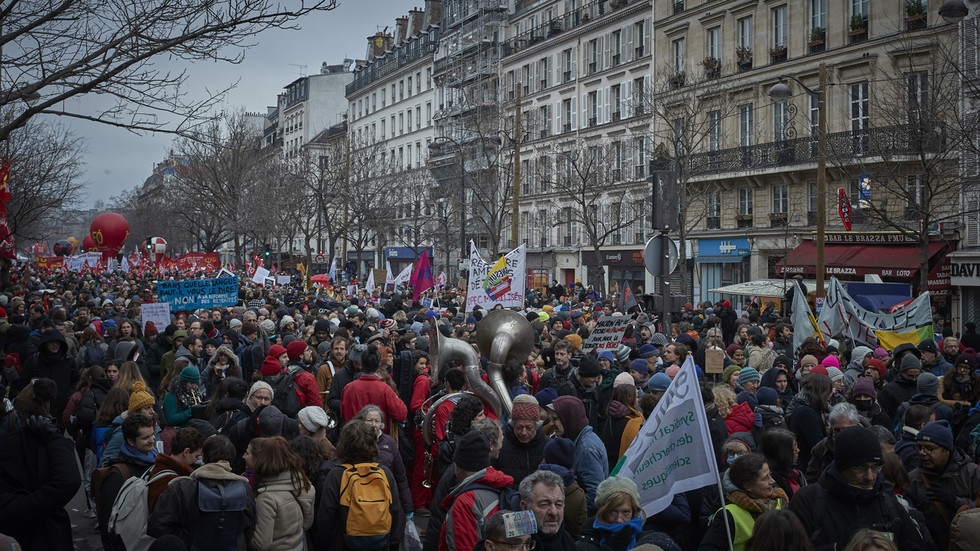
(59, 367)
(893, 394)
(847, 510)
(517, 459)
(37, 480)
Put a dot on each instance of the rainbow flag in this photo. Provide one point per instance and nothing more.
(497, 283)
(889, 340)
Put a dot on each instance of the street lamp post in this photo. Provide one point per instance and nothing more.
(781, 91)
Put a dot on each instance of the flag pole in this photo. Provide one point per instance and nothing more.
(728, 528)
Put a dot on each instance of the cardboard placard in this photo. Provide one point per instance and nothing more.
(714, 359)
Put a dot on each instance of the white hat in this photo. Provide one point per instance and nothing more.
(313, 418)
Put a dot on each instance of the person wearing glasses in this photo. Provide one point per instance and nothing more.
(503, 523)
(945, 482)
(852, 495)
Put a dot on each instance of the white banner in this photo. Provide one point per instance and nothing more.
(607, 334)
(157, 312)
(284, 279)
(499, 282)
(125, 265)
(802, 320)
(390, 279)
(673, 451)
(369, 285)
(260, 275)
(404, 276)
(842, 315)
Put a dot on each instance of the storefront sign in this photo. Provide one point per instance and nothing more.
(965, 272)
(881, 238)
(724, 247)
(405, 253)
(625, 258)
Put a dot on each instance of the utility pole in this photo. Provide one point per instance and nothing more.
(515, 212)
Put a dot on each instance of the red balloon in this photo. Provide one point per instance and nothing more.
(109, 232)
(39, 249)
(87, 243)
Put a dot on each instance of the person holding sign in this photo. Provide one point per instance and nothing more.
(749, 491)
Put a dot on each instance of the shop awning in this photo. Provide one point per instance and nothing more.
(761, 287)
(840, 259)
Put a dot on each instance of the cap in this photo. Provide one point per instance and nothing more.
(190, 374)
(623, 379)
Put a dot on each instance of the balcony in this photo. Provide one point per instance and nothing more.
(562, 23)
(714, 222)
(876, 142)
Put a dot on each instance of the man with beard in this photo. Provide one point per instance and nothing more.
(584, 385)
(543, 492)
(902, 388)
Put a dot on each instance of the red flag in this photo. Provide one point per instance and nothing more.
(273, 270)
(7, 249)
(422, 276)
(4, 181)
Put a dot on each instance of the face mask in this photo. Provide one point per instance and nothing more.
(863, 405)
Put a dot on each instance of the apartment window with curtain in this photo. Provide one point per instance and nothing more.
(746, 125)
(745, 201)
(679, 47)
(780, 199)
(780, 28)
(713, 38)
(714, 130)
(818, 14)
(745, 34)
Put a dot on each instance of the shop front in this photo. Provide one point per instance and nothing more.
(722, 262)
(964, 272)
(620, 265)
(399, 257)
(540, 266)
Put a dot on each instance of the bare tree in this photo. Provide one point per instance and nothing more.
(687, 110)
(586, 196)
(218, 170)
(46, 169)
(413, 223)
(901, 156)
(66, 48)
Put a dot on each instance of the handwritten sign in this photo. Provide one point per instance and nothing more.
(607, 334)
(193, 294)
(487, 278)
(157, 312)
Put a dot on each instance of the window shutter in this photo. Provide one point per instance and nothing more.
(607, 63)
(627, 55)
(558, 128)
(574, 67)
(626, 89)
(574, 120)
(605, 111)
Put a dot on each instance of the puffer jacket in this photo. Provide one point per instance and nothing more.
(210, 378)
(461, 531)
(740, 419)
(283, 513)
(519, 460)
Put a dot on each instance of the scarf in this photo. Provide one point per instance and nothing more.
(186, 396)
(133, 453)
(610, 530)
(963, 385)
(757, 506)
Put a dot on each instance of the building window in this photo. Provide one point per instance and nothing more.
(818, 15)
(543, 72)
(779, 27)
(640, 153)
(409, 116)
(859, 8)
(714, 130)
(566, 107)
(639, 39)
(428, 113)
(374, 102)
(678, 48)
(616, 102)
(713, 48)
(383, 134)
(617, 45)
(568, 64)
(384, 95)
(418, 82)
(401, 123)
(428, 78)
(401, 90)
(409, 86)
(418, 116)
(859, 117)
(780, 199)
(594, 65)
(714, 204)
(746, 125)
(780, 116)
(918, 100)
(593, 108)
(680, 136)
(811, 199)
(745, 35)
(745, 201)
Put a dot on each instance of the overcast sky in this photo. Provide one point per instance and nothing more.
(119, 160)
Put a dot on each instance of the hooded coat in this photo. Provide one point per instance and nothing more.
(960, 477)
(211, 378)
(57, 366)
(855, 368)
(591, 464)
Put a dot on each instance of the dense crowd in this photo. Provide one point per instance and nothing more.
(319, 420)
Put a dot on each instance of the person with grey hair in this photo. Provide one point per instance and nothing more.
(388, 454)
(543, 493)
(841, 416)
(490, 429)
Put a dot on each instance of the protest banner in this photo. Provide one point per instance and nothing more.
(404, 276)
(842, 315)
(260, 274)
(426, 302)
(672, 452)
(269, 281)
(714, 360)
(157, 312)
(192, 294)
(284, 279)
(501, 282)
(607, 334)
(804, 325)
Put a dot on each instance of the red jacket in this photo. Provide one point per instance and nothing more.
(460, 530)
(741, 419)
(367, 390)
(420, 390)
(307, 388)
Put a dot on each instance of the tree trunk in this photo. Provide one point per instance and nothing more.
(597, 273)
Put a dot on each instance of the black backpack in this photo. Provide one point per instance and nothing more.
(219, 512)
(284, 392)
(94, 355)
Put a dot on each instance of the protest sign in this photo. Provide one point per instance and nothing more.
(714, 360)
(804, 325)
(192, 294)
(260, 275)
(672, 452)
(607, 334)
(426, 302)
(501, 282)
(269, 281)
(284, 279)
(157, 312)
(842, 315)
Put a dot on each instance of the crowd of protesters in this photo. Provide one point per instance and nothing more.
(294, 421)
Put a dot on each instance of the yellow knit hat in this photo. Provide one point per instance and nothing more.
(140, 398)
(575, 340)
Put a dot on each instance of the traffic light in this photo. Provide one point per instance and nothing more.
(267, 251)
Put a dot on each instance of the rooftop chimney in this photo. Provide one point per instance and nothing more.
(433, 12)
(401, 26)
(416, 17)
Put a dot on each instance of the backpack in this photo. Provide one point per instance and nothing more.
(94, 355)
(219, 511)
(509, 498)
(975, 443)
(285, 395)
(365, 491)
(131, 509)
(99, 475)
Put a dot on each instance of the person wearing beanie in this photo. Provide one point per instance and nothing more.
(461, 530)
(903, 387)
(836, 377)
(748, 379)
(927, 394)
(852, 495)
(639, 369)
(961, 384)
(658, 384)
(880, 353)
(876, 370)
(610, 528)
(141, 401)
(767, 409)
(672, 371)
(260, 394)
(945, 482)
(184, 393)
(865, 398)
(730, 377)
(591, 465)
(584, 385)
(524, 440)
(932, 358)
(576, 341)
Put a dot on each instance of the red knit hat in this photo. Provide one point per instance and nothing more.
(879, 365)
(295, 349)
(275, 351)
(270, 366)
(819, 369)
